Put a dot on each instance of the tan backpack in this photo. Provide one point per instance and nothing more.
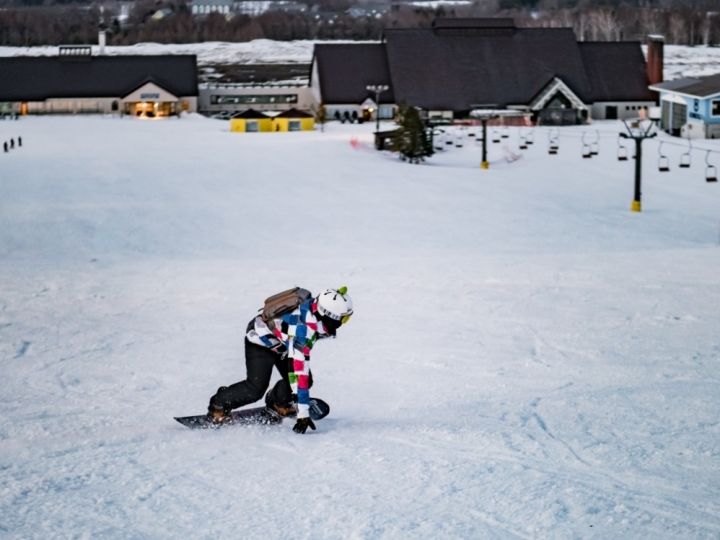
(281, 303)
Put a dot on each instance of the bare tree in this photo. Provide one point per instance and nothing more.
(677, 28)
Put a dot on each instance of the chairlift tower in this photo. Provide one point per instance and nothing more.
(485, 114)
(638, 133)
(378, 89)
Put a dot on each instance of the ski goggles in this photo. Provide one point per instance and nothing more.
(345, 319)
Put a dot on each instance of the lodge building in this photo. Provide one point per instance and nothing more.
(691, 107)
(76, 82)
(460, 65)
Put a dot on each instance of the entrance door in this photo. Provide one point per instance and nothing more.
(679, 118)
(611, 112)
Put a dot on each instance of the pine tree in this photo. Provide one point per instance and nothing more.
(412, 139)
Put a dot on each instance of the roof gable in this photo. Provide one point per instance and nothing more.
(617, 71)
(345, 71)
(251, 114)
(700, 87)
(455, 72)
(151, 92)
(294, 113)
(555, 86)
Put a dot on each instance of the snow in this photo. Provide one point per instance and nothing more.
(259, 51)
(528, 358)
(682, 61)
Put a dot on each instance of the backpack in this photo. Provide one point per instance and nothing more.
(281, 303)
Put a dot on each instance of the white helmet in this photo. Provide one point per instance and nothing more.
(335, 304)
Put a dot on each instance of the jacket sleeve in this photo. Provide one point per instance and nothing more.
(300, 376)
(300, 340)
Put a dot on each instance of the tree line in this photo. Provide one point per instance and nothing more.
(683, 22)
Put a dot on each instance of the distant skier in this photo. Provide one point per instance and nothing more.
(5, 146)
(284, 341)
(12, 144)
(19, 142)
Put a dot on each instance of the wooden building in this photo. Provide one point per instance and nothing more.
(459, 65)
(691, 107)
(293, 120)
(251, 121)
(75, 82)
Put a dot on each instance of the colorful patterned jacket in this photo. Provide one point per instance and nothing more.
(295, 332)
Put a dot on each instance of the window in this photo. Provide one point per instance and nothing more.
(253, 99)
(251, 126)
(715, 105)
(294, 125)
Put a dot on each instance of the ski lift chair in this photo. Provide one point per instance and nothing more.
(663, 161)
(685, 158)
(586, 151)
(458, 141)
(622, 153)
(529, 138)
(523, 142)
(595, 146)
(505, 133)
(439, 138)
(554, 145)
(495, 136)
(710, 170)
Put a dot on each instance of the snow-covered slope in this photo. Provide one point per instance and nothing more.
(528, 358)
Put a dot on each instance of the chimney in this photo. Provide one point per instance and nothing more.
(655, 59)
(101, 42)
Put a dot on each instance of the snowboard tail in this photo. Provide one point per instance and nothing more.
(257, 416)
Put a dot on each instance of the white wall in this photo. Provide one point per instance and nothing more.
(626, 109)
(305, 100)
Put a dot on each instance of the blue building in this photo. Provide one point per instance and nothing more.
(691, 107)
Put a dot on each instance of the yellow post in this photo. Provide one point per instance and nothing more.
(636, 206)
(484, 165)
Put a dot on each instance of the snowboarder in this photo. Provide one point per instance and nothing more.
(284, 342)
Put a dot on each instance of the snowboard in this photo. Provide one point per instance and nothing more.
(257, 416)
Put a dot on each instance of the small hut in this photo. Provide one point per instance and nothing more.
(293, 120)
(250, 121)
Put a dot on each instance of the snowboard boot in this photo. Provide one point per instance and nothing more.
(217, 414)
(284, 410)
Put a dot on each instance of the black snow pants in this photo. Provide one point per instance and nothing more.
(259, 363)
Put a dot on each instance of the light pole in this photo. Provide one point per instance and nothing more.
(485, 114)
(638, 134)
(378, 89)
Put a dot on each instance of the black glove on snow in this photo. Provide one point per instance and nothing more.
(303, 424)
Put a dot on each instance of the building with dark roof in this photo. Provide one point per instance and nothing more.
(460, 65)
(77, 82)
(691, 107)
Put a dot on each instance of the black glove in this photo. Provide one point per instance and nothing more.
(303, 424)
